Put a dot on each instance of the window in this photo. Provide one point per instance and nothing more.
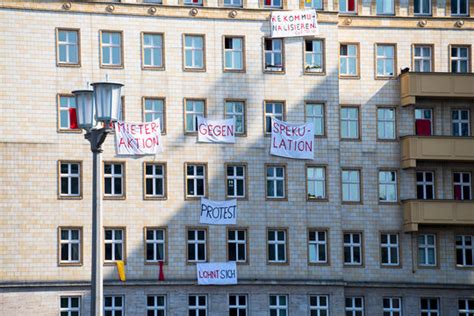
(316, 183)
(348, 58)
(354, 306)
(315, 114)
(353, 249)
(237, 305)
(460, 123)
(350, 185)
(388, 186)
(385, 60)
(429, 306)
(347, 6)
(314, 54)
(155, 243)
(233, 53)
(278, 305)
(466, 307)
(111, 49)
(349, 123)
(389, 249)
(385, 7)
(422, 7)
(273, 109)
(425, 185)
(462, 185)
(236, 109)
(194, 50)
(276, 239)
(237, 245)
(154, 109)
(464, 251)
(193, 109)
(153, 1)
(70, 247)
(114, 306)
(114, 244)
(276, 188)
(70, 179)
(235, 181)
(195, 180)
(152, 50)
(459, 7)
(426, 250)
(423, 122)
(154, 180)
(314, 4)
(197, 243)
(460, 59)
(319, 305)
(67, 113)
(114, 179)
(68, 47)
(273, 53)
(386, 123)
(273, 4)
(422, 58)
(70, 306)
(156, 305)
(197, 305)
(233, 3)
(193, 2)
(318, 246)
(392, 306)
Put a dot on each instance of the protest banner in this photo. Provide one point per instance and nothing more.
(218, 212)
(138, 139)
(294, 23)
(292, 140)
(217, 273)
(216, 131)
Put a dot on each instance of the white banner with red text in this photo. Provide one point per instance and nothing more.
(294, 23)
(292, 140)
(216, 131)
(218, 212)
(138, 139)
(217, 273)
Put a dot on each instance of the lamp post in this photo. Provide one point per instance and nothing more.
(96, 110)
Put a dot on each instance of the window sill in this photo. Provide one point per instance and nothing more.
(153, 68)
(274, 71)
(238, 71)
(114, 197)
(314, 73)
(155, 198)
(155, 263)
(351, 77)
(65, 197)
(68, 65)
(69, 131)
(70, 264)
(317, 200)
(111, 66)
(194, 69)
(194, 198)
(113, 263)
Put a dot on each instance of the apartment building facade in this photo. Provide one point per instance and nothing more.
(379, 223)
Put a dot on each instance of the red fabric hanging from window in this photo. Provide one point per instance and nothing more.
(351, 5)
(423, 127)
(457, 192)
(195, 1)
(161, 276)
(73, 119)
(268, 2)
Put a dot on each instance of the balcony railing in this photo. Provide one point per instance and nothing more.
(436, 148)
(415, 85)
(436, 212)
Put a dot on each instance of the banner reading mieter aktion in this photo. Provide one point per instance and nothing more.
(217, 273)
(294, 23)
(138, 139)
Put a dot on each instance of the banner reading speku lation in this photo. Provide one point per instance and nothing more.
(218, 212)
(138, 139)
(294, 23)
(292, 140)
(217, 273)
(216, 131)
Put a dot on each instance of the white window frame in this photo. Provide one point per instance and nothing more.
(194, 48)
(281, 309)
(238, 306)
(347, 121)
(233, 3)
(421, 111)
(458, 59)
(69, 309)
(155, 178)
(112, 242)
(237, 241)
(233, 52)
(274, 243)
(458, 12)
(70, 103)
(315, 113)
(424, 247)
(320, 306)
(420, 9)
(389, 245)
(69, 175)
(345, 8)
(352, 246)
(316, 244)
(112, 176)
(236, 179)
(151, 108)
(314, 4)
(348, 185)
(234, 113)
(195, 242)
(425, 184)
(316, 181)
(391, 310)
(352, 308)
(347, 58)
(419, 60)
(156, 307)
(386, 126)
(152, 48)
(155, 242)
(194, 113)
(272, 53)
(464, 249)
(195, 178)
(274, 180)
(193, 2)
(70, 242)
(469, 307)
(111, 47)
(460, 122)
(312, 54)
(463, 184)
(383, 8)
(273, 4)
(69, 45)
(197, 307)
(273, 114)
(115, 307)
(388, 181)
(385, 60)
(430, 310)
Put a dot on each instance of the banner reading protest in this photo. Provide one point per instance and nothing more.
(138, 139)
(217, 273)
(294, 23)
(218, 212)
(292, 140)
(216, 131)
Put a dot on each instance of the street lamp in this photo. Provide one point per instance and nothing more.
(96, 110)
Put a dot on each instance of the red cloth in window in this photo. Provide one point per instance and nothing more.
(161, 276)
(268, 2)
(195, 1)
(457, 192)
(423, 127)
(351, 5)
(73, 119)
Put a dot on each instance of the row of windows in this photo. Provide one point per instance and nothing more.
(194, 54)
(278, 305)
(156, 245)
(275, 182)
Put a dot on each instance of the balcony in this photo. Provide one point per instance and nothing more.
(436, 212)
(436, 148)
(415, 85)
